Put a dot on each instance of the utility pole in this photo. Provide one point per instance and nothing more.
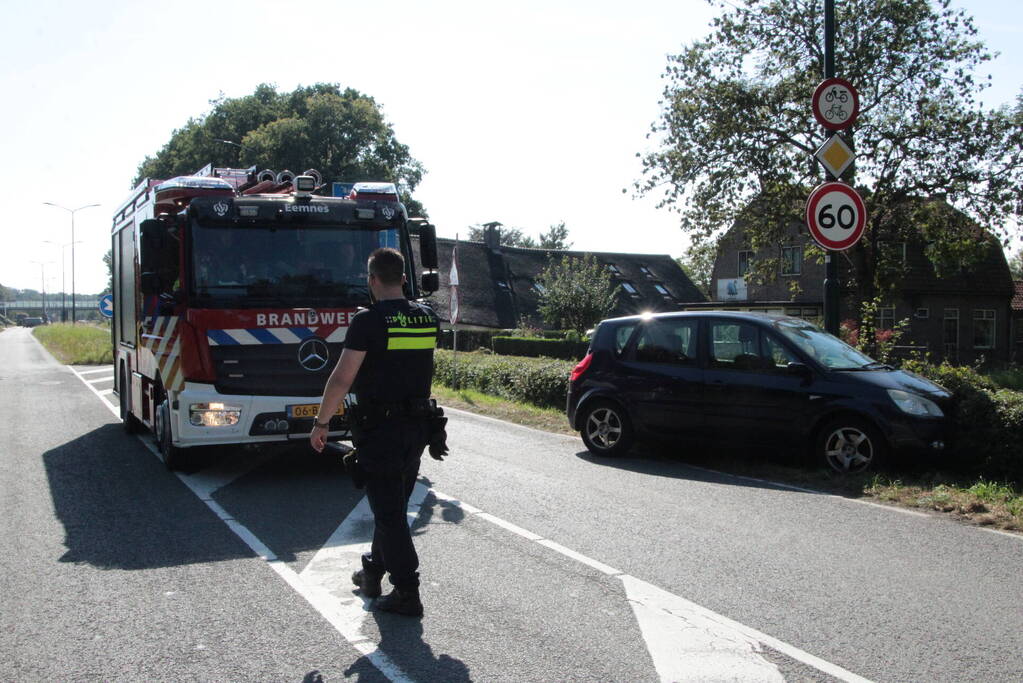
(72, 212)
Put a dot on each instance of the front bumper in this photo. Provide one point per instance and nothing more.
(262, 419)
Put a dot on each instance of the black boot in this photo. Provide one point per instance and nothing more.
(402, 601)
(368, 584)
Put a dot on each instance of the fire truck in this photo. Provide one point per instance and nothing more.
(232, 294)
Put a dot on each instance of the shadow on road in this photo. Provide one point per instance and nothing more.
(401, 639)
(121, 508)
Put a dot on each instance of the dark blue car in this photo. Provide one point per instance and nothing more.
(763, 379)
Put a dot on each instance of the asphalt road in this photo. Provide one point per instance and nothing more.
(539, 563)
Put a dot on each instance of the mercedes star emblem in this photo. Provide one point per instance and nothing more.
(313, 354)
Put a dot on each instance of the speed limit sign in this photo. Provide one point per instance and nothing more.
(835, 215)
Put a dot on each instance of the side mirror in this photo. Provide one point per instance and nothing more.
(430, 282)
(428, 247)
(151, 233)
(800, 370)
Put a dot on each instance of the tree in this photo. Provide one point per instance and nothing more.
(509, 237)
(555, 238)
(736, 126)
(1016, 265)
(577, 292)
(698, 263)
(108, 259)
(341, 133)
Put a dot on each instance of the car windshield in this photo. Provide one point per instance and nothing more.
(268, 265)
(826, 349)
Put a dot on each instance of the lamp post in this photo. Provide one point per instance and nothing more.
(63, 275)
(72, 212)
(42, 282)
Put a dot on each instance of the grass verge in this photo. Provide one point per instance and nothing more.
(80, 344)
(980, 502)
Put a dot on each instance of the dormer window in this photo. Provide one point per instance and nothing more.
(646, 271)
(662, 290)
(630, 289)
(614, 269)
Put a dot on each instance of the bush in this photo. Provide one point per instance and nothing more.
(535, 347)
(540, 381)
(988, 420)
(469, 340)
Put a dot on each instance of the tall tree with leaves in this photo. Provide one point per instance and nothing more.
(556, 237)
(577, 292)
(737, 127)
(342, 133)
(698, 263)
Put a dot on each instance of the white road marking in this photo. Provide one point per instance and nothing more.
(684, 638)
(107, 368)
(100, 380)
(688, 645)
(114, 409)
(105, 392)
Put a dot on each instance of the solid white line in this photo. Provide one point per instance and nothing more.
(106, 368)
(891, 508)
(100, 380)
(579, 557)
(725, 624)
(113, 409)
(506, 423)
(105, 392)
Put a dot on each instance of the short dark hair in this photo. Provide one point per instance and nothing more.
(388, 265)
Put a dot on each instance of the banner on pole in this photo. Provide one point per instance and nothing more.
(453, 283)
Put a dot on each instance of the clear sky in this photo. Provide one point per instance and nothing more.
(527, 112)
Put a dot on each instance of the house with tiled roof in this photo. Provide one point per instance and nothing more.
(1017, 321)
(961, 316)
(499, 288)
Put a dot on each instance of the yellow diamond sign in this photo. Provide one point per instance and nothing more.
(835, 155)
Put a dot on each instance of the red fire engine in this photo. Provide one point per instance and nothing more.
(232, 295)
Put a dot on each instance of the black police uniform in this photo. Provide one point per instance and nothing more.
(392, 391)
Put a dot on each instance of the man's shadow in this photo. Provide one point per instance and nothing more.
(401, 639)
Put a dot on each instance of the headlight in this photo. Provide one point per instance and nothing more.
(914, 405)
(213, 414)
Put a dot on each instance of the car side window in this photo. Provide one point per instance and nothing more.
(668, 341)
(773, 350)
(736, 345)
(622, 336)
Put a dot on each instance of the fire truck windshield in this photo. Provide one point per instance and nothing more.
(271, 265)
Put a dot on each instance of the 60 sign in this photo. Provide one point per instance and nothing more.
(835, 215)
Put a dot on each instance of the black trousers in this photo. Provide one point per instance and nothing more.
(389, 453)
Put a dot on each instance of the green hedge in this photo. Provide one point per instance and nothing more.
(540, 381)
(988, 420)
(535, 347)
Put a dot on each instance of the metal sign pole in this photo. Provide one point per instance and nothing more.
(831, 318)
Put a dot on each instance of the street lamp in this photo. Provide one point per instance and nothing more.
(63, 273)
(72, 212)
(42, 281)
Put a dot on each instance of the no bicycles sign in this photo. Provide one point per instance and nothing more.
(835, 215)
(836, 104)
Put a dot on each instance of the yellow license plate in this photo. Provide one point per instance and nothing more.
(309, 410)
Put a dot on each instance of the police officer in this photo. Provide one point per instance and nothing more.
(388, 363)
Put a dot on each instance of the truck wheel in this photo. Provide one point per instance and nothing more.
(129, 422)
(849, 445)
(606, 429)
(173, 457)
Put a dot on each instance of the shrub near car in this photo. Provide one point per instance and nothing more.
(755, 377)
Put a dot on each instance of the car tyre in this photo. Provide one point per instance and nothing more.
(129, 422)
(174, 458)
(606, 429)
(849, 445)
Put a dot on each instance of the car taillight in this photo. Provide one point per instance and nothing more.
(582, 367)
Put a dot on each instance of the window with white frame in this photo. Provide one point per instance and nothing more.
(984, 328)
(791, 260)
(745, 259)
(886, 318)
(950, 333)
